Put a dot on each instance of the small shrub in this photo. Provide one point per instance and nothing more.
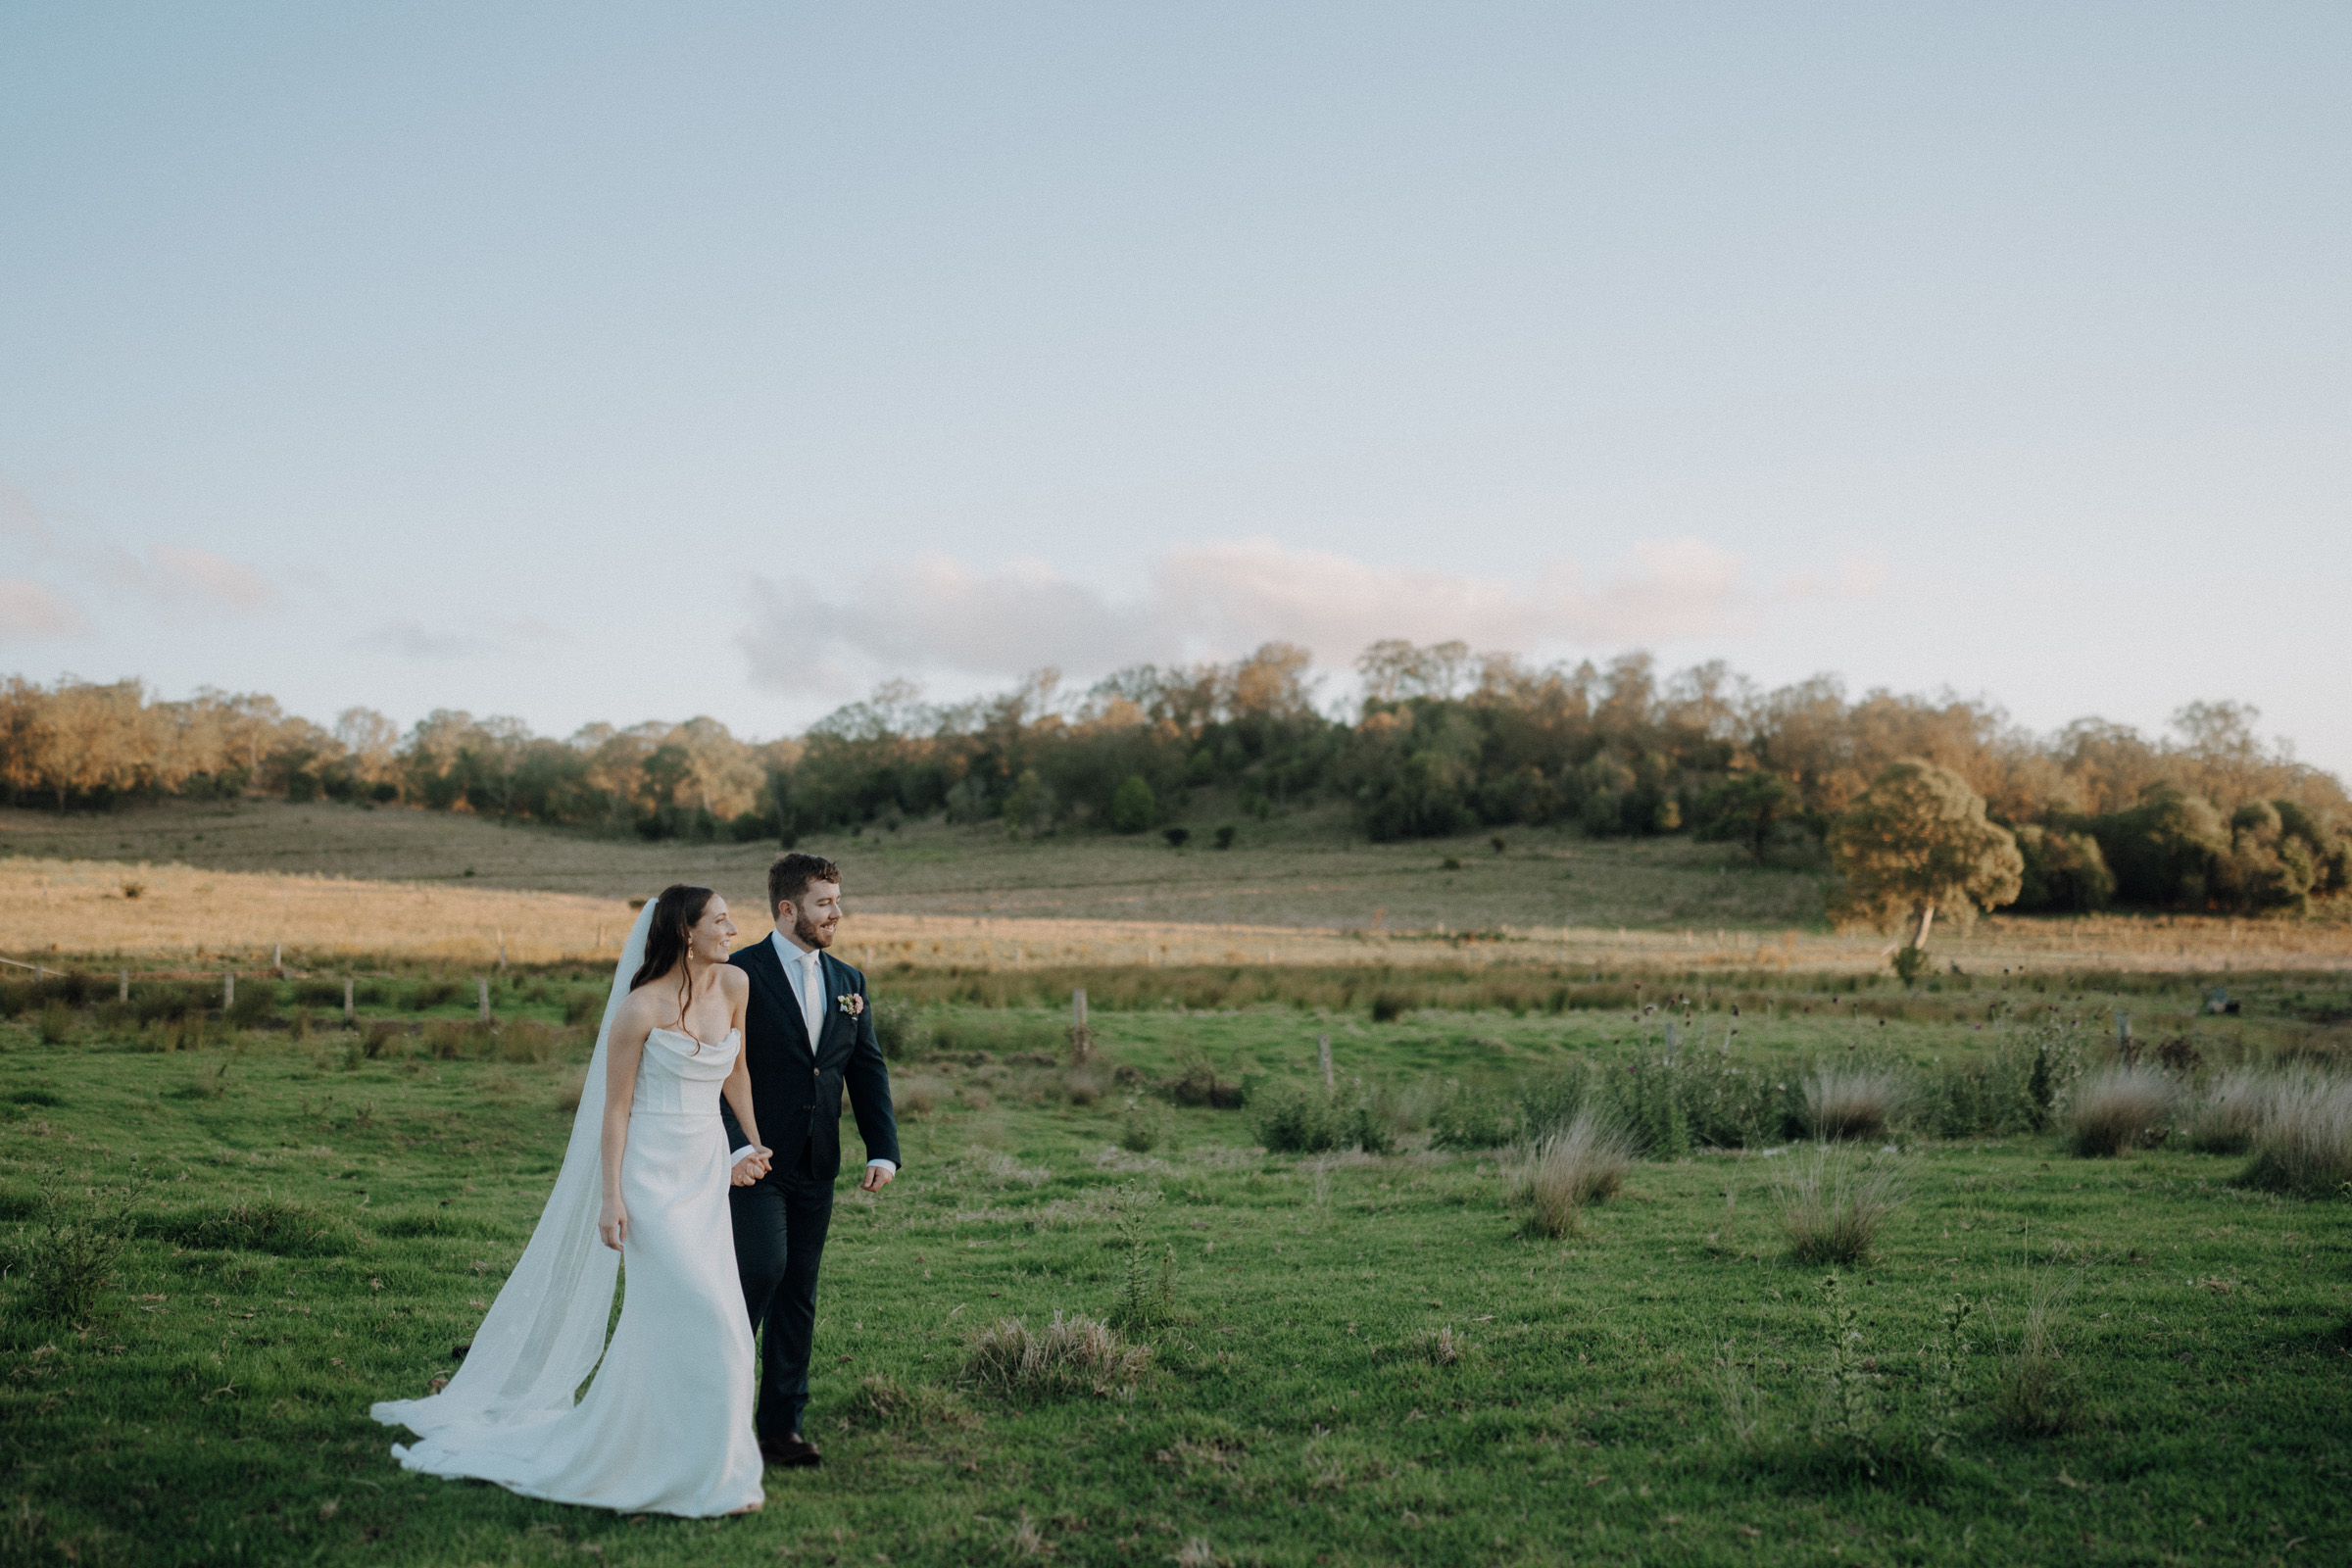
(2305, 1141)
(287, 1230)
(1586, 1161)
(2037, 1394)
(576, 1084)
(583, 1006)
(1177, 836)
(377, 1043)
(256, 1000)
(1144, 1126)
(1074, 1356)
(1140, 1302)
(431, 994)
(56, 1024)
(1853, 1102)
(65, 1263)
(2117, 1109)
(900, 1029)
(1298, 1121)
(1832, 1205)
(1225, 833)
(1387, 1007)
(1469, 1118)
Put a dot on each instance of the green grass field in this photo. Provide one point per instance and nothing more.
(1359, 1358)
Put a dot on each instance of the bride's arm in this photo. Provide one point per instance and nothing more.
(622, 1053)
(737, 1089)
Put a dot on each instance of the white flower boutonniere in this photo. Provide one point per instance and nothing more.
(851, 1003)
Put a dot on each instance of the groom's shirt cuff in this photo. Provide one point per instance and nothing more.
(889, 1165)
(736, 1158)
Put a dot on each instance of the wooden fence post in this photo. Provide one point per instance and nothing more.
(482, 990)
(502, 947)
(1323, 1055)
(277, 959)
(1082, 1039)
(347, 1008)
(122, 986)
(229, 990)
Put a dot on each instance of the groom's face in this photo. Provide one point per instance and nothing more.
(813, 919)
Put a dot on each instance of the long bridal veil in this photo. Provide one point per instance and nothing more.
(545, 1330)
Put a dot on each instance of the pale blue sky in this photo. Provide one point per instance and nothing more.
(596, 361)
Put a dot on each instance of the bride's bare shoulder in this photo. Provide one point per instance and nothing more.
(639, 1007)
(733, 983)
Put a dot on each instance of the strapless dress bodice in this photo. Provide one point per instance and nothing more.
(680, 1073)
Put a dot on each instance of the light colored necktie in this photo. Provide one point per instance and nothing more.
(812, 996)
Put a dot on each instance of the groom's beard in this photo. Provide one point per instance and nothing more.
(810, 935)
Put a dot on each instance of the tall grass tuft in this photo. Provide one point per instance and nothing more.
(1856, 1102)
(2118, 1108)
(2304, 1143)
(2037, 1394)
(2232, 1112)
(1832, 1203)
(1584, 1161)
(1077, 1355)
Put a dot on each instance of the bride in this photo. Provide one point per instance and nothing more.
(667, 1426)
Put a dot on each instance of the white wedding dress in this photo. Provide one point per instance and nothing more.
(665, 1427)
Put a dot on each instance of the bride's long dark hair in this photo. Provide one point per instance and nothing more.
(676, 912)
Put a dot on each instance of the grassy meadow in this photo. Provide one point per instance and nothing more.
(336, 886)
(1362, 1352)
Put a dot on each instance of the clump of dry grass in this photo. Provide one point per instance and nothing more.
(1076, 1355)
(1584, 1161)
(2232, 1112)
(1832, 1203)
(1445, 1347)
(916, 1095)
(1851, 1102)
(2118, 1108)
(882, 1402)
(2304, 1140)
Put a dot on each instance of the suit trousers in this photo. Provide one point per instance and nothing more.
(780, 1226)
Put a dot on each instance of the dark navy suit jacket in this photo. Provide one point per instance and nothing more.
(797, 1084)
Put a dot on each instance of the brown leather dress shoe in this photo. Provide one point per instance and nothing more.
(793, 1451)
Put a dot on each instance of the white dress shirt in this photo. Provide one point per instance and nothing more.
(804, 968)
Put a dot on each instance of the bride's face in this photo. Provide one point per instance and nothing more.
(712, 934)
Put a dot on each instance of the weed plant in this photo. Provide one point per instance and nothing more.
(2037, 1394)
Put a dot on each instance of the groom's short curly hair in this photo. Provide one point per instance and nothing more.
(792, 873)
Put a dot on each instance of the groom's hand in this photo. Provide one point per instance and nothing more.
(751, 1168)
(876, 1178)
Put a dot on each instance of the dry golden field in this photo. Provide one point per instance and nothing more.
(331, 883)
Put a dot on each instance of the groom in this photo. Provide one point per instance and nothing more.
(807, 1035)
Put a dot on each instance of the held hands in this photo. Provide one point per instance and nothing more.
(752, 1166)
(613, 1223)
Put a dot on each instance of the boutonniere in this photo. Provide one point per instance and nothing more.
(850, 1002)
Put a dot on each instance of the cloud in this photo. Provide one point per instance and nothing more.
(192, 580)
(29, 610)
(486, 636)
(413, 640)
(20, 519)
(1222, 599)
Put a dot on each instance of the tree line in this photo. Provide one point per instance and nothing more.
(1439, 741)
